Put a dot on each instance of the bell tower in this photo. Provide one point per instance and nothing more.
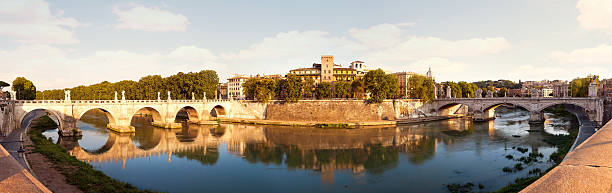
(327, 68)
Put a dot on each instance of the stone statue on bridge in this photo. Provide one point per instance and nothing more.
(122, 95)
(67, 95)
(192, 96)
(169, 99)
(158, 96)
(489, 94)
(535, 93)
(448, 91)
(116, 99)
(204, 95)
(478, 93)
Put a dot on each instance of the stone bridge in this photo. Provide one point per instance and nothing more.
(19, 113)
(484, 108)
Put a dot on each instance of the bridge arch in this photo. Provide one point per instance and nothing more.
(218, 111)
(155, 114)
(26, 119)
(109, 116)
(192, 113)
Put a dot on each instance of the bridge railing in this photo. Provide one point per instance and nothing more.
(115, 101)
(522, 98)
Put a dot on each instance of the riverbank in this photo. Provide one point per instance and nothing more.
(587, 168)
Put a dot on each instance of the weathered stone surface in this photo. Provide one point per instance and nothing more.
(334, 111)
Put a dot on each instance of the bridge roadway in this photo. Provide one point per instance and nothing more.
(484, 108)
(19, 113)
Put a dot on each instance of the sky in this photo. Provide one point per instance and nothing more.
(62, 44)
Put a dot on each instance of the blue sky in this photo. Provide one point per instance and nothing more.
(60, 44)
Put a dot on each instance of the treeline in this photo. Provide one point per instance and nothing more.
(379, 85)
(579, 87)
(181, 85)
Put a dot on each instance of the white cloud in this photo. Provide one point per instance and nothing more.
(595, 15)
(31, 21)
(150, 19)
(55, 68)
(601, 54)
(379, 36)
(557, 72)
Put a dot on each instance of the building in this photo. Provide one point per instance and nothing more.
(222, 91)
(515, 92)
(234, 86)
(402, 79)
(547, 92)
(327, 71)
(605, 88)
(560, 89)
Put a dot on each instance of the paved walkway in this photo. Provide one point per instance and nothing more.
(587, 168)
(14, 178)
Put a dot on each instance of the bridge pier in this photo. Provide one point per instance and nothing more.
(487, 115)
(68, 127)
(536, 118)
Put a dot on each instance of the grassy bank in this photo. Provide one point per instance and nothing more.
(563, 144)
(77, 173)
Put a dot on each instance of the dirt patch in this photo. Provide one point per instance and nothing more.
(44, 171)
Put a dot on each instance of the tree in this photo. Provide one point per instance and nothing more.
(3, 84)
(308, 88)
(25, 89)
(380, 85)
(358, 88)
(323, 90)
(293, 88)
(580, 86)
(468, 90)
(456, 90)
(342, 89)
(421, 87)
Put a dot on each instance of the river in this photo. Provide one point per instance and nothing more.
(253, 158)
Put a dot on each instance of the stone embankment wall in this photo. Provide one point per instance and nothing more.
(341, 110)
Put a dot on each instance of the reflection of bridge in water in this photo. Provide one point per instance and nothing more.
(304, 148)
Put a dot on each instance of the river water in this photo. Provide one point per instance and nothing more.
(252, 158)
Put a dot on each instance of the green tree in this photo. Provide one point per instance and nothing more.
(323, 90)
(456, 90)
(308, 88)
(342, 89)
(293, 88)
(421, 87)
(468, 89)
(381, 86)
(580, 86)
(358, 88)
(25, 89)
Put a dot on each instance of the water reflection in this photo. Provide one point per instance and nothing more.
(419, 158)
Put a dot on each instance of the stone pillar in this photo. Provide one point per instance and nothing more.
(485, 115)
(435, 91)
(116, 99)
(593, 89)
(536, 118)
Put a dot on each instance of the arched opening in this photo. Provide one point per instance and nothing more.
(146, 136)
(187, 113)
(45, 120)
(453, 109)
(558, 117)
(218, 111)
(93, 125)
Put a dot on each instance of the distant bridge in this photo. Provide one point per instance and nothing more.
(484, 108)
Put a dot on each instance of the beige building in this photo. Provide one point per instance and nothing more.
(605, 88)
(402, 79)
(327, 71)
(234, 86)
